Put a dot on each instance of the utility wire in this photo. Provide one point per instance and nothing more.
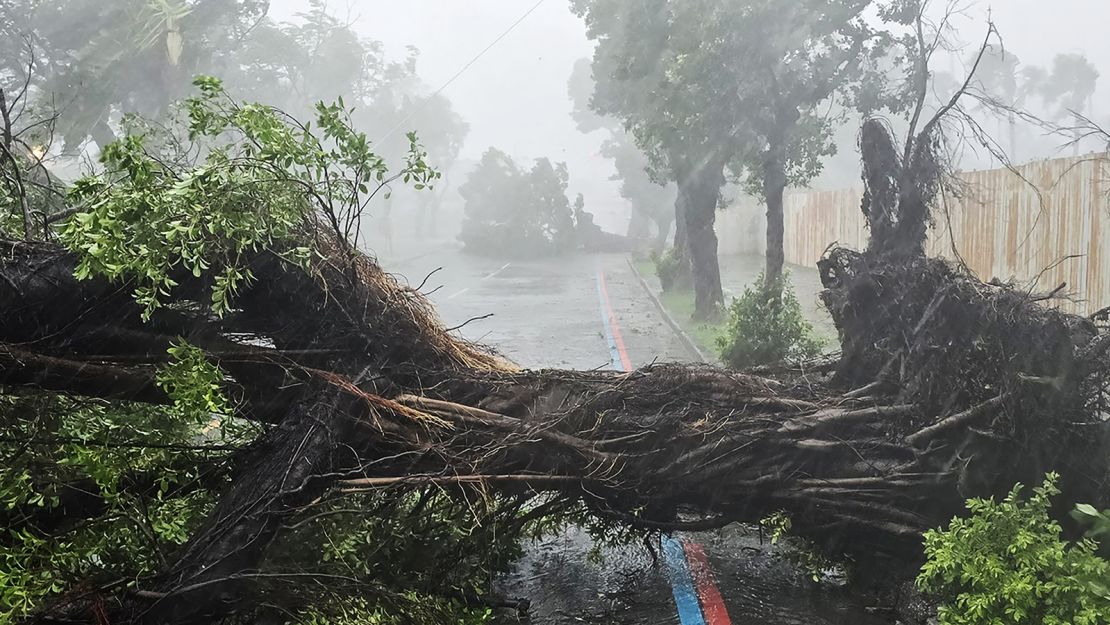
(472, 61)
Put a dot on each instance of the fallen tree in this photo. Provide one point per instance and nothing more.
(946, 388)
(961, 390)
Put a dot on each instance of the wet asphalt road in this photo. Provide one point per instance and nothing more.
(545, 314)
(548, 314)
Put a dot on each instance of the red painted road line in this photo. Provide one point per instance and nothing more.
(626, 362)
(712, 605)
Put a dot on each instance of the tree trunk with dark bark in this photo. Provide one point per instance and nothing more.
(774, 186)
(681, 244)
(663, 227)
(700, 190)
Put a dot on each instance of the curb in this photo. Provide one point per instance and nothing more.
(687, 342)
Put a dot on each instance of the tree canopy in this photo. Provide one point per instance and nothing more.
(515, 212)
(96, 62)
(709, 85)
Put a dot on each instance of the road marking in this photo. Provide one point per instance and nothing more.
(617, 351)
(712, 605)
(485, 277)
(682, 583)
(696, 596)
(503, 268)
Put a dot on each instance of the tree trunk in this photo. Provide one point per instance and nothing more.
(676, 273)
(681, 247)
(639, 226)
(103, 135)
(774, 186)
(700, 190)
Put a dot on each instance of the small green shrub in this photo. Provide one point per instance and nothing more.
(1007, 565)
(766, 326)
(674, 271)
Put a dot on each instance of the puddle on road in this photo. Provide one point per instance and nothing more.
(566, 585)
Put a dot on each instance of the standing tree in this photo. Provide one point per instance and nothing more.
(711, 85)
(680, 112)
(797, 56)
(651, 202)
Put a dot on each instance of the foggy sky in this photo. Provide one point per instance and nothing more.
(515, 96)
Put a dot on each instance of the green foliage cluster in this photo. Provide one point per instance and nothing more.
(1006, 564)
(387, 550)
(803, 554)
(765, 325)
(513, 212)
(98, 495)
(264, 178)
(134, 481)
(1096, 522)
(145, 478)
(673, 270)
(398, 557)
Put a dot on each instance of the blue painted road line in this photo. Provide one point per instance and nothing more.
(682, 582)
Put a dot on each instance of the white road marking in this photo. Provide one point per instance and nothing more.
(485, 277)
(503, 268)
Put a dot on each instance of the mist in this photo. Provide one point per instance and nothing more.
(514, 96)
(495, 312)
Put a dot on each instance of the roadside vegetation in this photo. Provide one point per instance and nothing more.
(677, 299)
(1008, 562)
(759, 327)
(765, 325)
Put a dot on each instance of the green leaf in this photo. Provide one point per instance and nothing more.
(1086, 510)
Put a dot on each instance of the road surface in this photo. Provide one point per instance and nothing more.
(587, 312)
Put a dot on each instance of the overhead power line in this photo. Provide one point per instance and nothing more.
(462, 70)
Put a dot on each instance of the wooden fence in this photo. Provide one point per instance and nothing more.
(1045, 224)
